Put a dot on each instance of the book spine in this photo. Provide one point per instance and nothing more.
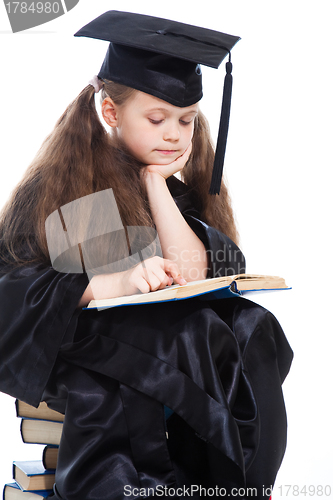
(44, 459)
(21, 431)
(17, 407)
(43, 456)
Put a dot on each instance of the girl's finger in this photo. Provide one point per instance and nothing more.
(185, 156)
(170, 279)
(166, 281)
(180, 280)
(172, 268)
(160, 277)
(154, 281)
(142, 285)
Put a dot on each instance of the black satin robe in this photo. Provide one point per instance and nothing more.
(217, 365)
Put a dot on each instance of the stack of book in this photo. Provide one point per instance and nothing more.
(34, 479)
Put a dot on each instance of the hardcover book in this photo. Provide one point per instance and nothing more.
(41, 431)
(50, 456)
(222, 287)
(31, 475)
(42, 412)
(12, 491)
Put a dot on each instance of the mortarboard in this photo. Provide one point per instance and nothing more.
(162, 58)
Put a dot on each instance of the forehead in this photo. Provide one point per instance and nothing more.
(147, 102)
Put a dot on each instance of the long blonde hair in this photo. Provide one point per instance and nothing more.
(78, 158)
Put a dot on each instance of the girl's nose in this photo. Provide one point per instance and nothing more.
(171, 133)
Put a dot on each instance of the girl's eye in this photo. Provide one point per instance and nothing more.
(183, 122)
(155, 122)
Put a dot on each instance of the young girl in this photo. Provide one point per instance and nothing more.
(167, 399)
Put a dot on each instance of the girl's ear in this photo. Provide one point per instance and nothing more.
(109, 112)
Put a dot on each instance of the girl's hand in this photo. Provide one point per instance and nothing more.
(152, 274)
(169, 169)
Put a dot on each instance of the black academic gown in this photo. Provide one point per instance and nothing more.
(216, 366)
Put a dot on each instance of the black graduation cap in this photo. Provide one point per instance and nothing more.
(162, 58)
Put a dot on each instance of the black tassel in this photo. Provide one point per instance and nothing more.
(215, 185)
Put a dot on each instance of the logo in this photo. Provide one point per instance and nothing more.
(87, 236)
(25, 15)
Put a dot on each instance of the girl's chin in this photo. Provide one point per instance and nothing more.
(157, 158)
(161, 158)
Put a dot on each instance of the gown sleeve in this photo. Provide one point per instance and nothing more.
(37, 309)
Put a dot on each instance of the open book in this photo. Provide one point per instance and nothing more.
(212, 288)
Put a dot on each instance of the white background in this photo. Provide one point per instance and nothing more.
(278, 166)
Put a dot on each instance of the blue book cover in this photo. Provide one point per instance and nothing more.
(31, 475)
(12, 491)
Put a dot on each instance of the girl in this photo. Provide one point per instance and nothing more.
(168, 399)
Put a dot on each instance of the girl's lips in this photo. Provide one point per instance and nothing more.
(166, 151)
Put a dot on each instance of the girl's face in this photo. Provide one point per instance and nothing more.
(154, 131)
